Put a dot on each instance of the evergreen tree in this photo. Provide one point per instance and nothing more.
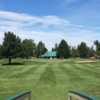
(63, 50)
(0, 51)
(91, 52)
(41, 49)
(83, 50)
(55, 48)
(97, 44)
(74, 52)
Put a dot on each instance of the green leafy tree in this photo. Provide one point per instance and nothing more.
(63, 50)
(28, 47)
(11, 47)
(83, 50)
(97, 44)
(41, 49)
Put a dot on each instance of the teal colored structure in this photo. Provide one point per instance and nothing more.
(80, 96)
(22, 96)
(49, 54)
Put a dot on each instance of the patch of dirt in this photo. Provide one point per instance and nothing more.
(87, 61)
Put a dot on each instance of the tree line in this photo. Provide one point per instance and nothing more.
(82, 50)
(13, 47)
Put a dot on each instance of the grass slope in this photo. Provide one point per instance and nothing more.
(49, 79)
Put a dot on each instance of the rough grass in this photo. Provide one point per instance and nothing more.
(49, 79)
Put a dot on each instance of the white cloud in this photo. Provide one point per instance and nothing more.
(49, 29)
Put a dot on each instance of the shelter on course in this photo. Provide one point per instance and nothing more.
(49, 54)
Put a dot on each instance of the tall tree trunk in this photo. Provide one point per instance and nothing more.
(10, 59)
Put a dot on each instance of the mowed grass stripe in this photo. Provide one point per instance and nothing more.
(26, 84)
(61, 77)
(23, 74)
(5, 71)
(37, 74)
(86, 76)
(28, 72)
(14, 70)
(92, 80)
(48, 76)
(51, 80)
(88, 71)
(73, 74)
(29, 68)
(94, 67)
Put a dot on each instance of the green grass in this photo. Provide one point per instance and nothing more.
(49, 79)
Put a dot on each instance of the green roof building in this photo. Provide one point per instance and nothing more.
(49, 54)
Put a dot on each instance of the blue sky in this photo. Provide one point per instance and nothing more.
(51, 20)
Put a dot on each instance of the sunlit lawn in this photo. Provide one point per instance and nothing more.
(49, 79)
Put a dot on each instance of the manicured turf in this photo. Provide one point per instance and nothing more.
(49, 79)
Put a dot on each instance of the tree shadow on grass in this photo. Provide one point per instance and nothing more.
(14, 63)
